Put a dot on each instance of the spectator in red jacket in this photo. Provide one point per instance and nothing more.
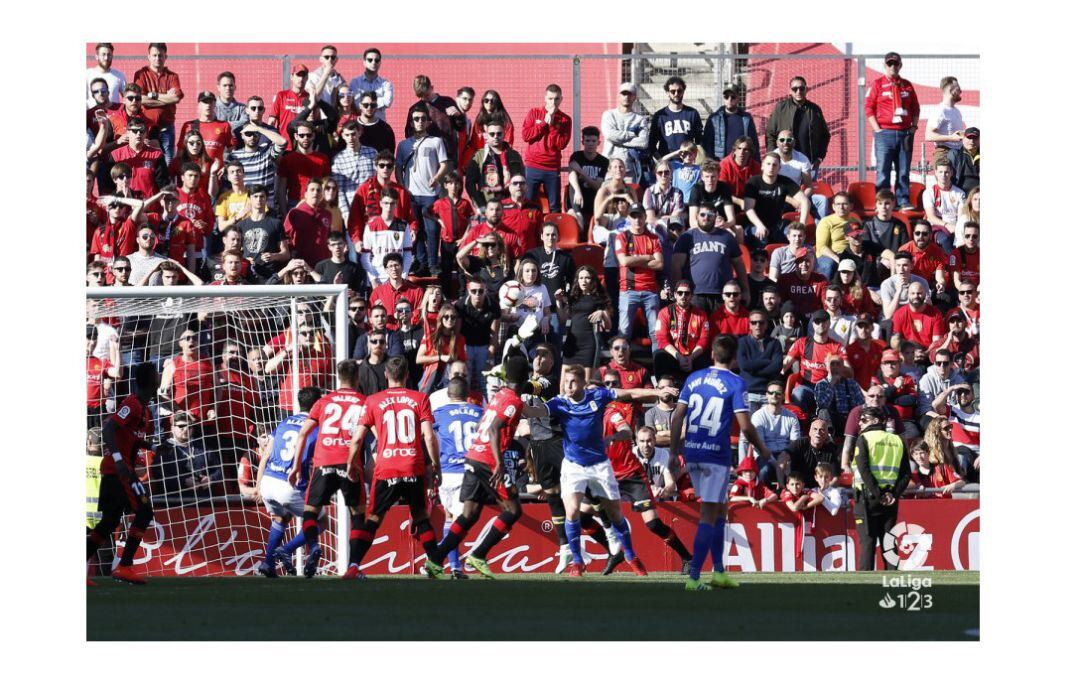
(396, 288)
(366, 202)
(547, 132)
(307, 226)
(918, 320)
(682, 336)
(892, 109)
(930, 262)
(731, 318)
(803, 287)
(964, 261)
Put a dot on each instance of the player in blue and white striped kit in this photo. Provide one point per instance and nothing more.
(455, 425)
(709, 400)
(282, 500)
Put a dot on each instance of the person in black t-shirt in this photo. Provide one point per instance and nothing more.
(264, 242)
(710, 192)
(758, 278)
(884, 233)
(587, 172)
(767, 198)
(479, 313)
(338, 269)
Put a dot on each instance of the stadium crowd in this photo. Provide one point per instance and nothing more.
(665, 231)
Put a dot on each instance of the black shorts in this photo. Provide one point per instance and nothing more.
(387, 492)
(329, 479)
(635, 491)
(116, 497)
(547, 457)
(476, 485)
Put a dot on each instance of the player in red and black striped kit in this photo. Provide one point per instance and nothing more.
(404, 427)
(121, 490)
(488, 481)
(336, 415)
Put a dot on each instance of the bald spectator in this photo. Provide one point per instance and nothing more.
(918, 320)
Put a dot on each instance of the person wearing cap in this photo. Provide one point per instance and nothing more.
(918, 321)
(945, 123)
(810, 353)
(288, 103)
(892, 109)
(965, 161)
(803, 286)
(547, 131)
(836, 394)
(768, 197)
(729, 124)
(789, 327)
(864, 268)
(217, 135)
(882, 472)
(963, 348)
(901, 391)
(626, 133)
(865, 349)
(804, 118)
(760, 357)
(746, 488)
(161, 93)
(830, 239)
(942, 201)
(758, 278)
(674, 123)
(149, 166)
(640, 259)
(713, 256)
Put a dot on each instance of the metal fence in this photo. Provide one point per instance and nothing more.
(589, 81)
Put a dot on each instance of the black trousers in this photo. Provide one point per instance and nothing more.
(871, 525)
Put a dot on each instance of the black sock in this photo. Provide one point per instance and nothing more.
(668, 535)
(558, 517)
(458, 531)
(356, 538)
(426, 535)
(134, 538)
(590, 526)
(365, 537)
(503, 523)
(310, 527)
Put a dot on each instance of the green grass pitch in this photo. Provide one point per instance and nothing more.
(621, 607)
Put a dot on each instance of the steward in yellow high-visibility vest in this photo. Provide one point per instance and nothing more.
(882, 471)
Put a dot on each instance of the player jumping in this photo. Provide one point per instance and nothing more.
(121, 490)
(713, 396)
(396, 415)
(455, 425)
(585, 466)
(336, 415)
(488, 480)
(283, 500)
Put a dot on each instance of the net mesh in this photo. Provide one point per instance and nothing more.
(230, 369)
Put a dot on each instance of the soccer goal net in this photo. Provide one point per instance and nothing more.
(232, 361)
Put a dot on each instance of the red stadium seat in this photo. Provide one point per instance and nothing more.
(792, 380)
(793, 216)
(569, 232)
(773, 247)
(542, 200)
(589, 255)
(915, 193)
(863, 196)
(823, 188)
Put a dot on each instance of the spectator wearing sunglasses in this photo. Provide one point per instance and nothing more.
(729, 124)
(259, 159)
(803, 118)
(161, 94)
(149, 167)
(184, 470)
(254, 112)
(683, 334)
(674, 123)
(298, 167)
(371, 82)
(217, 135)
(371, 373)
(731, 317)
(937, 379)
(966, 161)
(324, 82)
(760, 357)
(103, 71)
(488, 173)
(929, 261)
(374, 131)
(479, 326)
(367, 202)
(421, 163)
(142, 261)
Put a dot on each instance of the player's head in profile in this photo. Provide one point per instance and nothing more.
(307, 397)
(517, 371)
(457, 389)
(723, 350)
(348, 373)
(146, 379)
(573, 382)
(397, 371)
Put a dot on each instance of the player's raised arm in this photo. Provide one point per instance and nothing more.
(301, 441)
(750, 431)
(539, 411)
(643, 394)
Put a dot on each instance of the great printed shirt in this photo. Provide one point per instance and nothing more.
(545, 142)
(885, 95)
(396, 416)
(336, 415)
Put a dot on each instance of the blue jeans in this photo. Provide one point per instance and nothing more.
(478, 359)
(892, 148)
(427, 246)
(803, 396)
(819, 206)
(167, 139)
(826, 266)
(534, 177)
(630, 302)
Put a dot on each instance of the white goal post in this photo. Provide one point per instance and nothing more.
(233, 360)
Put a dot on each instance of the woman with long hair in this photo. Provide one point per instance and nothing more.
(588, 310)
(968, 211)
(329, 201)
(492, 111)
(535, 301)
(194, 151)
(346, 110)
(442, 346)
(857, 298)
(939, 444)
(492, 266)
(430, 307)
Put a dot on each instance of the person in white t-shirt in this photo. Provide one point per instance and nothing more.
(942, 202)
(945, 125)
(103, 70)
(798, 168)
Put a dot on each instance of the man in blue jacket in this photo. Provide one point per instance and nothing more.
(760, 358)
(727, 124)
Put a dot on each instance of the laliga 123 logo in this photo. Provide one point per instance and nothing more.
(906, 546)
